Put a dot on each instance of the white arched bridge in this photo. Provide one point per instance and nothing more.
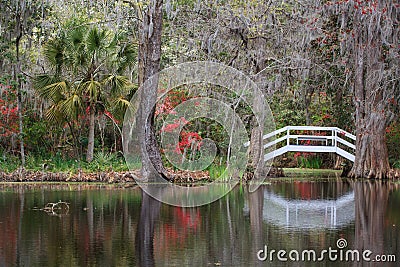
(309, 139)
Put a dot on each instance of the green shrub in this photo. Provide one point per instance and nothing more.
(216, 171)
(310, 162)
(9, 163)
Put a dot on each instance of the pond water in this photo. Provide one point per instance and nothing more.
(110, 226)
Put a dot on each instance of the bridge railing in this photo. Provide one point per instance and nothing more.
(309, 139)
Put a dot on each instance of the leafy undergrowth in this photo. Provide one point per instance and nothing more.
(101, 162)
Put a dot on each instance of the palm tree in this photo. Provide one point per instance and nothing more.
(86, 77)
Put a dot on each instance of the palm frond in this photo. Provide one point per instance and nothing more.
(55, 91)
(76, 37)
(54, 51)
(93, 89)
(43, 80)
(76, 54)
(71, 106)
(127, 56)
(121, 102)
(113, 43)
(54, 114)
(117, 84)
(119, 106)
(96, 40)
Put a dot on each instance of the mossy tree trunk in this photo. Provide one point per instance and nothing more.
(149, 56)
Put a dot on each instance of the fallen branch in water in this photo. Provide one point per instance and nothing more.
(58, 209)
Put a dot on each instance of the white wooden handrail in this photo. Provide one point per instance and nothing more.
(325, 143)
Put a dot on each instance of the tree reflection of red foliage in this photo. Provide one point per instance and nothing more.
(184, 224)
(304, 189)
(8, 235)
(187, 219)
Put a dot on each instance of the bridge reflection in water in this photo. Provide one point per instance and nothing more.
(309, 214)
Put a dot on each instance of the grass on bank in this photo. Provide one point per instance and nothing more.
(101, 162)
(291, 172)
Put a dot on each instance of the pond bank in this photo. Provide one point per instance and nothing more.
(22, 175)
(176, 176)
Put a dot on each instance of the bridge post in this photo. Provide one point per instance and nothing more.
(287, 135)
(335, 139)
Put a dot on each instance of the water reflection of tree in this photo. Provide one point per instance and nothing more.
(99, 229)
(256, 206)
(102, 226)
(149, 212)
(10, 228)
(371, 199)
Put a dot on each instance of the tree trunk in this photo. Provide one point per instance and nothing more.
(149, 55)
(256, 152)
(17, 79)
(21, 125)
(256, 138)
(371, 159)
(338, 162)
(90, 148)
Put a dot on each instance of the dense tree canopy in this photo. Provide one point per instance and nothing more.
(68, 69)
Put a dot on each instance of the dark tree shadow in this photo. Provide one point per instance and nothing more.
(371, 200)
(149, 212)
